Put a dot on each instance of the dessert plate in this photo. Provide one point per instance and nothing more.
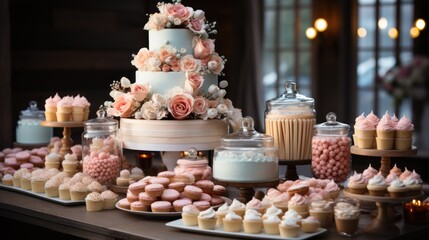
(43, 196)
(163, 214)
(220, 232)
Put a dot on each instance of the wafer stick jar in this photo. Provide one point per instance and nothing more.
(331, 157)
(289, 119)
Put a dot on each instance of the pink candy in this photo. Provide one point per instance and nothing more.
(102, 167)
(331, 158)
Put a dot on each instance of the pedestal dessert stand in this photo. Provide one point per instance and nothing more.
(246, 189)
(66, 141)
(291, 172)
(383, 224)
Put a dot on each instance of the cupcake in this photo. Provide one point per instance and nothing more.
(95, 187)
(207, 219)
(70, 163)
(64, 109)
(256, 204)
(17, 176)
(232, 222)
(289, 228)
(369, 172)
(26, 181)
(52, 187)
(404, 134)
(272, 210)
(190, 215)
(51, 108)
(358, 119)
(78, 107)
(397, 189)
(357, 184)
(52, 160)
(109, 199)
(271, 224)
(385, 133)
(366, 134)
(377, 185)
(281, 201)
(64, 191)
(7, 179)
(237, 207)
(414, 184)
(310, 224)
(38, 182)
(124, 178)
(252, 222)
(390, 178)
(78, 191)
(405, 174)
(220, 213)
(395, 170)
(333, 189)
(136, 174)
(323, 211)
(299, 204)
(94, 202)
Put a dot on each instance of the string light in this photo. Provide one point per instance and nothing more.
(393, 33)
(310, 33)
(420, 24)
(361, 32)
(382, 23)
(320, 24)
(414, 32)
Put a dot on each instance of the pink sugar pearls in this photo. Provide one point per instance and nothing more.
(102, 166)
(331, 158)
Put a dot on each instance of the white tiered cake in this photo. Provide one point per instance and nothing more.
(176, 102)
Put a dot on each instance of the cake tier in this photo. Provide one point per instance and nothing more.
(171, 135)
(177, 38)
(161, 82)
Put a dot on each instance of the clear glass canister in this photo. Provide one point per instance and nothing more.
(331, 150)
(246, 156)
(29, 130)
(101, 149)
(289, 119)
(195, 165)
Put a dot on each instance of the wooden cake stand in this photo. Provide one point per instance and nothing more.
(383, 224)
(66, 141)
(291, 172)
(247, 189)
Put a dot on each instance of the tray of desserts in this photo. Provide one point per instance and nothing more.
(43, 196)
(162, 214)
(219, 231)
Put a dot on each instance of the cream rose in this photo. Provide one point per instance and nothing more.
(141, 57)
(189, 64)
(140, 91)
(194, 80)
(178, 11)
(156, 21)
(180, 106)
(201, 105)
(215, 64)
(123, 106)
(202, 47)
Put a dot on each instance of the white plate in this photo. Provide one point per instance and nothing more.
(43, 196)
(220, 232)
(162, 214)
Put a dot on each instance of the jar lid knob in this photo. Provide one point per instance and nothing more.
(101, 113)
(193, 153)
(33, 105)
(247, 124)
(290, 87)
(331, 118)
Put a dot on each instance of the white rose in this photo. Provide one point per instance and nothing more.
(212, 113)
(125, 82)
(199, 14)
(213, 88)
(212, 65)
(221, 93)
(222, 108)
(115, 94)
(177, 21)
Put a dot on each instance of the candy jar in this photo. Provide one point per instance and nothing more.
(289, 119)
(101, 148)
(199, 167)
(29, 130)
(246, 156)
(331, 150)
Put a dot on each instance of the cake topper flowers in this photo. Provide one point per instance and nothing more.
(135, 100)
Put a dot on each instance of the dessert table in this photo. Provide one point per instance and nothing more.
(116, 224)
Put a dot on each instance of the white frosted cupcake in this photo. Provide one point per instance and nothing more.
(52, 160)
(207, 219)
(78, 191)
(109, 199)
(94, 202)
(377, 185)
(190, 215)
(252, 222)
(232, 222)
(271, 224)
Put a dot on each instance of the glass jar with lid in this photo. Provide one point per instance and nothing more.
(101, 148)
(289, 119)
(195, 165)
(29, 130)
(331, 157)
(246, 156)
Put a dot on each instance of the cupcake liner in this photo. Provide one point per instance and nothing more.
(404, 133)
(386, 134)
(403, 143)
(385, 143)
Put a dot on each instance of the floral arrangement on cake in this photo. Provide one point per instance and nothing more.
(410, 80)
(176, 15)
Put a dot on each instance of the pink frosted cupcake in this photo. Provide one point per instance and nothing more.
(333, 189)
(389, 178)
(366, 134)
(51, 107)
(78, 108)
(64, 109)
(405, 174)
(404, 134)
(357, 184)
(369, 172)
(299, 204)
(256, 204)
(395, 170)
(385, 133)
(414, 184)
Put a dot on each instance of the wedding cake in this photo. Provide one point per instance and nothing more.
(176, 101)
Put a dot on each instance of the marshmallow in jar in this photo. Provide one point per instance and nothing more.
(331, 150)
(101, 149)
(289, 119)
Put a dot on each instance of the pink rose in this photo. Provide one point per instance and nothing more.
(201, 105)
(178, 11)
(194, 80)
(141, 57)
(189, 64)
(213, 103)
(175, 64)
(140, 91)
(215, 64)
(156, 21)
(164, 54)
(180, 106)
(124, 106)
(202, 47)
(197, 26)
(166, 68)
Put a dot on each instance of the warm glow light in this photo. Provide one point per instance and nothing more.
(382, 23)
(420, 24)
(393, 33)
(310, 33)
(361, 32)
(414, 32)
(320, 24)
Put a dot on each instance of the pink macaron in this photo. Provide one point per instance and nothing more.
(161, 206)
(170, 195)
(180, 203)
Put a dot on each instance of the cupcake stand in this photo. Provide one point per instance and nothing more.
(383, 223)
(66, 141)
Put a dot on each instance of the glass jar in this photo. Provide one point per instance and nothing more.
(289, 119)
(331, 150)
(246, 156)
(29, 130)
(199, 167)
(101, 149)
